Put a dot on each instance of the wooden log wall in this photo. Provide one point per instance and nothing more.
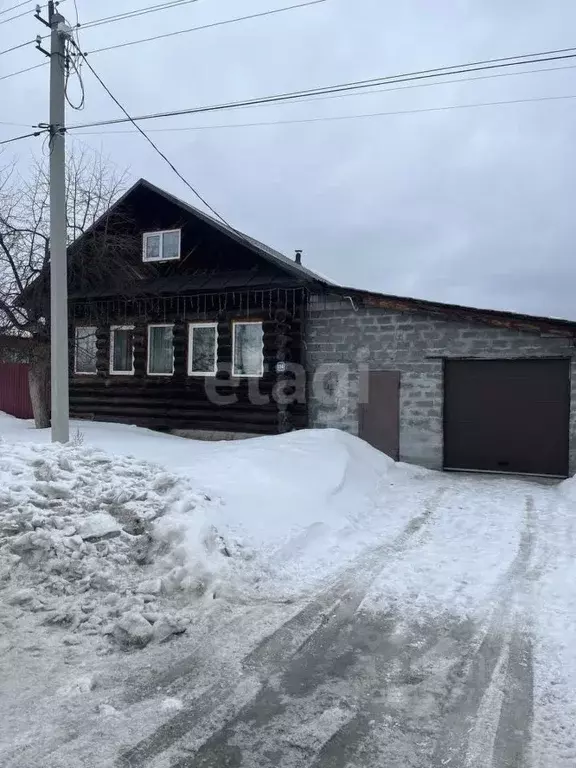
(186, 402)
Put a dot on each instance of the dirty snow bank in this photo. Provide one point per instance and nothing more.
(97, 544)
(295, 508)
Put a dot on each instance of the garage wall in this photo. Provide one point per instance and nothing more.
(341, 343)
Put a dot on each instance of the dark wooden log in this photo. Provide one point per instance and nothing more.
(181, 401)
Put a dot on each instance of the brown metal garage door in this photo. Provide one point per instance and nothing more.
(507, 415)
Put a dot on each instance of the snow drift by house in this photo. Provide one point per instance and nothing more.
(113, 545)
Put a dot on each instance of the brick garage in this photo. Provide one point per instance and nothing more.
(362, 333)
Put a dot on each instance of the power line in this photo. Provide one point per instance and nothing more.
(22, 71)
(433, 84)
(165, 6)
(24, 136)
(13, 18)
(74, 62)
(16, 47)
(207, 26)
(153, 145)
(225, 22)
(332, 118)
(293, 96)
(428, 84)
(350, 94)
(137, 12)
(26, 13)
(15, 7)
(381, 90)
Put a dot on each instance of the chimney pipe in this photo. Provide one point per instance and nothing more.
(298, 257)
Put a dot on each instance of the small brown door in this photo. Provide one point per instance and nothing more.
(507, 415)
(379, 417)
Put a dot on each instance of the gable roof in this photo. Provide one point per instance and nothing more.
(264, 251)
(497, 318)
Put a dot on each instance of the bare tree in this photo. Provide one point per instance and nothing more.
(92, 185)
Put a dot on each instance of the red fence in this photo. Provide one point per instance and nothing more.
(14, 392)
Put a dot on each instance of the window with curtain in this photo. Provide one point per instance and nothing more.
(85, 349)
(248, 349)
(202, 349)
(122, 349)
(161, 350)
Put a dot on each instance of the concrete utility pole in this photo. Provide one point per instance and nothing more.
(58, 259)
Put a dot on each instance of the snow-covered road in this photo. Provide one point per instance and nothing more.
(433, 624)
(341, 683)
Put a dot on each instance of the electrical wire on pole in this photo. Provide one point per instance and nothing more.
(291, 96)
(15, 7)
(19, 138)
(25, 13)
(339, 118)
(136, 12)
(225, 22)
(22, 71)
(153, 145)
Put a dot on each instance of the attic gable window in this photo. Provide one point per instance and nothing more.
(161, 246)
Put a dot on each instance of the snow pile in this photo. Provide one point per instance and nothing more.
(295, 509)
(306, 502)
(101, 544)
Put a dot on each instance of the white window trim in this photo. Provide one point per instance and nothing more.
(161, 232)
(148, 371)
(76, 329)
(191, 327)
(111, 367)
(246, 375)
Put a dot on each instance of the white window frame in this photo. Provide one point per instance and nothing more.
(158, 325)
(191, 327)
(83, 328)
(111, 367)
(246, 375)
(161, 233)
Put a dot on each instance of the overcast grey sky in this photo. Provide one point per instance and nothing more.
(473, 206)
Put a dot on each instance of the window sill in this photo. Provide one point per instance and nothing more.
(163, 258)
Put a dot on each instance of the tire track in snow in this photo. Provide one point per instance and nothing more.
(489, 723)
(302, 637)
(475, 714)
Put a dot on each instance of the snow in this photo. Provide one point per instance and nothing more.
(127, 548)
(90, 542)
(298, 506)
